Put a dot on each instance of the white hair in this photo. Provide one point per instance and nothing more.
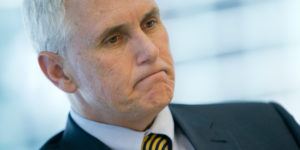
(46, 24)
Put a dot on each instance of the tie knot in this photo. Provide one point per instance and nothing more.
(156, 142)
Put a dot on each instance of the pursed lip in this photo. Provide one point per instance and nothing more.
(147, 75)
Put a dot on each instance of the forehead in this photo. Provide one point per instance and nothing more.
(105, 11)
(90, 17)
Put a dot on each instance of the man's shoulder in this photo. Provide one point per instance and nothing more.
(73, 138)
(53, 142)
(232, 104)
(230, 108)
(237, 111)
(248, 122)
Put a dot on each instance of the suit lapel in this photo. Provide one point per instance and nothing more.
(74, 138)
(200, 131)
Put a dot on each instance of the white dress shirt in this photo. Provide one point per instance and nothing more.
(120, 138)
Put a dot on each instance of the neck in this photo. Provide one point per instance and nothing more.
(135, 121)
(137, 124)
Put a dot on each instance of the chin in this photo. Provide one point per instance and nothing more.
(160, 99)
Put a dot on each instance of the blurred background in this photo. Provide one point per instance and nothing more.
(224, 50)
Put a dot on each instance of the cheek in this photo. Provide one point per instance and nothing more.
(118, 78)
(108, 74)
(90, 76)
(162, 42)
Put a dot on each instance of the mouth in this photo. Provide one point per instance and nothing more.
(149, 75)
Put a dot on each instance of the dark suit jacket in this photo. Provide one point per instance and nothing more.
(231, 126)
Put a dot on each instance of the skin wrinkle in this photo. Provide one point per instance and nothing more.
(93, 43)
(105, 75)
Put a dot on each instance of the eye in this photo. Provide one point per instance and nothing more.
(113, 39)
(149, 24)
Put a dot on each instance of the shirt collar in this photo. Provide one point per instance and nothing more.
(121, 138)
(163, 124)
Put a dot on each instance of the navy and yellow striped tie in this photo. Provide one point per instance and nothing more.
(157, 142)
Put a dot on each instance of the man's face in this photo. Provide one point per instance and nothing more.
(119, 57)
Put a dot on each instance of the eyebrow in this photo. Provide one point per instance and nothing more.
(94, 42)
(120, 28)
(151, 13)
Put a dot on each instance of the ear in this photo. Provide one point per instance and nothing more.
(52, 66)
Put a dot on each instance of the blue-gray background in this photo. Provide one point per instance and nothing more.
(224, 50)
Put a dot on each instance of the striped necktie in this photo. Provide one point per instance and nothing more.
(157, 142)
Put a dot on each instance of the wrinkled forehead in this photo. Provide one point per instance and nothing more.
(90, 17)
(79, 11)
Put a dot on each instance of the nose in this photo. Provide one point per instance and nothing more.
(146, 51)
